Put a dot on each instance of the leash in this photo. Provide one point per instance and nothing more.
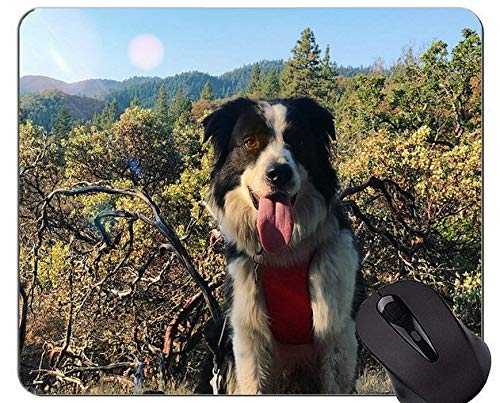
(217, 377)
(258, 260)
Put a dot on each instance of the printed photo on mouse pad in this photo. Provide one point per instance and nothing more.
(208, 195)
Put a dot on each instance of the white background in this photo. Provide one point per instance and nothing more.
(11, 13)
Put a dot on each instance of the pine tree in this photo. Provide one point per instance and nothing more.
(62, 125)
(327, 84)
(95, 119)
(328, 68)
(271, 85)
(161, 108)
(135, 102)
(301, 72)
(109, 115)
(255, 85)
(180, 104)
(207, 93)
(60, 132)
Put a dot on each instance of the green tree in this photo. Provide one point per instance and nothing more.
(137, 147)
(108, 116)
(457, 80)
(301, 72)
(180, 104)
(420, 127)
(254, 87)
(59, 134)
(135, 102)
(271, 84)
(445, 209)
(62, 125)
(207, 92)
(361, 108)
(327, 87)
(42, 108)
(95, 119)
(161, 106)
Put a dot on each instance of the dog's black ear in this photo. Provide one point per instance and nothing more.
(320, 117)
(221, 122)
(322, 131)
(219, 125)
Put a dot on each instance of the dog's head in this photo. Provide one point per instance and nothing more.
(272, 182)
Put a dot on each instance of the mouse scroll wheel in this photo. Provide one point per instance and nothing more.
(396, 312)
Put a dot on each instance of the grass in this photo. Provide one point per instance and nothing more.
(374, 382)
(371, 382)
(125, 386)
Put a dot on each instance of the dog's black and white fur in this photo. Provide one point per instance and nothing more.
(249, 138)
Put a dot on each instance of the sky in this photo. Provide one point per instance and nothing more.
(73, 44)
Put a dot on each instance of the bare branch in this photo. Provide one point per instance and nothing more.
(182, 314)
(158, 222)
(381, 185)
(69, 326)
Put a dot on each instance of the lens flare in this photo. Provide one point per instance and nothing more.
(58, 59)
(145, 51)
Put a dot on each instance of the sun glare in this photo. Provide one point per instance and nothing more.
(145, 51)
(58, 59)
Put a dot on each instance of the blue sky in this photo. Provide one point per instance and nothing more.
(76, 44)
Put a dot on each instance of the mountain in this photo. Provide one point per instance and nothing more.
(145, 88)
(40, 83)
(42, 97)
(237, 80)
(94, 88)
(191, 83)
(43, 107)
(227, 84)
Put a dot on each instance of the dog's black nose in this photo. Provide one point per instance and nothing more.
(279, 174)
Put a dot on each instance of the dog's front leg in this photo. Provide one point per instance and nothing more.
(251, 362)
(251, 334)
(338, 362)
(332, 280)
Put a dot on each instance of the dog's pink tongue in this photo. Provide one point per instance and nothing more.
(275, 224)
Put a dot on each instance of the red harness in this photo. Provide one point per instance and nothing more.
(289, 306)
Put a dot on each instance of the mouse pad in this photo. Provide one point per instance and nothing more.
(204, 194)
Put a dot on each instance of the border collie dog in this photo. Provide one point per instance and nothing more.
(292, 261)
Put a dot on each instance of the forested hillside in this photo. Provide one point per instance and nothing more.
(43, 108)
(116, 245)
(41, 104)
(34, 90)
(190, 84)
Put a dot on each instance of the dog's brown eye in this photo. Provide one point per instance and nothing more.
(251, 143)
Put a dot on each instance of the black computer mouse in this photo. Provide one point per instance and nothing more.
(428, 354)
